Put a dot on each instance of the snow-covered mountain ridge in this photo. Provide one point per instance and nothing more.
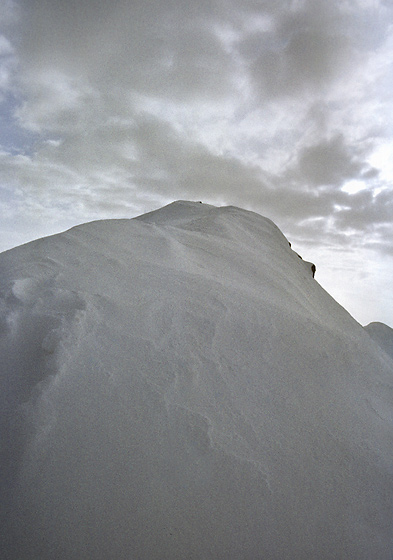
(179, 386)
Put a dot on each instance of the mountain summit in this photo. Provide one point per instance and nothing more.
(178, 385)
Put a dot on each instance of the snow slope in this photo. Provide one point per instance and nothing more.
(383, 335)
(178, 386)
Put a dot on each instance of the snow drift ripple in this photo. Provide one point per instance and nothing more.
(179, 386)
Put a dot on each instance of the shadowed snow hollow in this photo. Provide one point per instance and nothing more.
(178, 386)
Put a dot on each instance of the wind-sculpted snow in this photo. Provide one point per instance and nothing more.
(179, 386)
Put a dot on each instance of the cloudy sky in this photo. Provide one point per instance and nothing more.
(111, 108)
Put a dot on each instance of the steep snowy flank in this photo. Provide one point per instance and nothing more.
(179, 386)
(383, 335)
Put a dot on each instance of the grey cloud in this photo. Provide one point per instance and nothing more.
(381, 240)
(170, 163)
(313, 57)
(5, 46)
(7, 68)
(307, 60)
(173, 49)
(328, 163)
(170, 48)
(121, 158)
(57, 103)
(370, 173)
(9, 12)
(366, 211)
(307, 48)
(8, 63)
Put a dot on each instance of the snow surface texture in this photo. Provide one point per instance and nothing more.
(178, 386)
